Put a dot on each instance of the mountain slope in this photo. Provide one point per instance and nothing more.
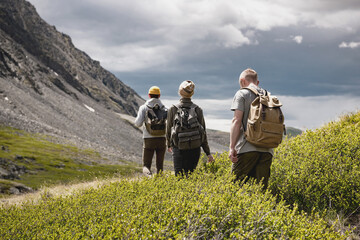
(49, 86)
(72, 71)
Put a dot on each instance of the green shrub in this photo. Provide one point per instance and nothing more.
(207, 205)
(321, 169)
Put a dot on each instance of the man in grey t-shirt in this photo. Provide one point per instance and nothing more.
(248, 160)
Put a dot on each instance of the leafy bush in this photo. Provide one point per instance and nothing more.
(321, 169)
(207, 205)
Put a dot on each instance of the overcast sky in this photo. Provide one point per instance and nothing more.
(306, 53)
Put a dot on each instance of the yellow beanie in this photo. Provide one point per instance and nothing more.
(154, 90)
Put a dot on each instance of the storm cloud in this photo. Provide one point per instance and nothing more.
(298, 49)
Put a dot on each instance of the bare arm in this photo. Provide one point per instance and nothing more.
(169, 124)
(235, 132)
(205, 144)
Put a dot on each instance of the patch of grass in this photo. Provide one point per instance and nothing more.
(48, 163)
(6, 184)
(206, 205)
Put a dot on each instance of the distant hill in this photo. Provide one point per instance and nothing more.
(218, 141)
(293, 132)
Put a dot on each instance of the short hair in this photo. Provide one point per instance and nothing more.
(154, 95)
(249, 75)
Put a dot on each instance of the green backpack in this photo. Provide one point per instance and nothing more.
(187, 132)
(265, 126)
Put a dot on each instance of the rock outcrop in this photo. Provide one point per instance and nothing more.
(33, 53)
(47, 85)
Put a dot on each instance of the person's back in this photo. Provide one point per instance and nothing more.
(186, 158)
(153, 141)
(187, 130)
(248, 160)
(242, 101)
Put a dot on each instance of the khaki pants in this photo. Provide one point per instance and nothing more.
(253, 165)
(152, 145)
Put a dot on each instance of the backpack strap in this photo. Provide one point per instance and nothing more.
(191, 112)
(193, 105)
(255, 91)
(150, 113)
(252, 90)
(160, 107)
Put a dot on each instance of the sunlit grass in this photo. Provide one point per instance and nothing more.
(49, 163)
(314, 189)
(207, 205)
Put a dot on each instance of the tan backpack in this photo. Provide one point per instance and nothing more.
(155, 120)
(265, 126)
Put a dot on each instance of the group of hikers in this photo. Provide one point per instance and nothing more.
(256, 128)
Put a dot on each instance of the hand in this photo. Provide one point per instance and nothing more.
(210, 158)
(233, 155)
(169, 150)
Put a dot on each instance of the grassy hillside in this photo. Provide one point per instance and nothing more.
(35, 161)
(208, 205)
(313, 175)
(321, 169)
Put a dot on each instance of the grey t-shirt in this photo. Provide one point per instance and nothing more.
(242, 101)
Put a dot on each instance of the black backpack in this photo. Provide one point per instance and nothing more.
(187, 132)
(155, 120)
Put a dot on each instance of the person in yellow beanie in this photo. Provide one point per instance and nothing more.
(152, 116)
(186, 131)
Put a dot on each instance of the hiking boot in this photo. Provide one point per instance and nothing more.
(147, 172)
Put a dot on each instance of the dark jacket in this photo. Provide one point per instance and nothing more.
(186, 102)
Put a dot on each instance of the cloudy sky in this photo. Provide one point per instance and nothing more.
(306, 53)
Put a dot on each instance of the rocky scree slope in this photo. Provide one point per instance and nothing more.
(49, 86)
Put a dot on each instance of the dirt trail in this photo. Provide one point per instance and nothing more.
(60, 190)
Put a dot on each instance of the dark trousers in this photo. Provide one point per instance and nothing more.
(152, 145)
(185, 161)
(253, 165)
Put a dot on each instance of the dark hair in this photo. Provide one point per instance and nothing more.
(154, 95)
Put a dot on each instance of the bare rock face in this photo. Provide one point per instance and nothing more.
(15, 188)
(35, 53)
(49, 86)
(10, 170)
